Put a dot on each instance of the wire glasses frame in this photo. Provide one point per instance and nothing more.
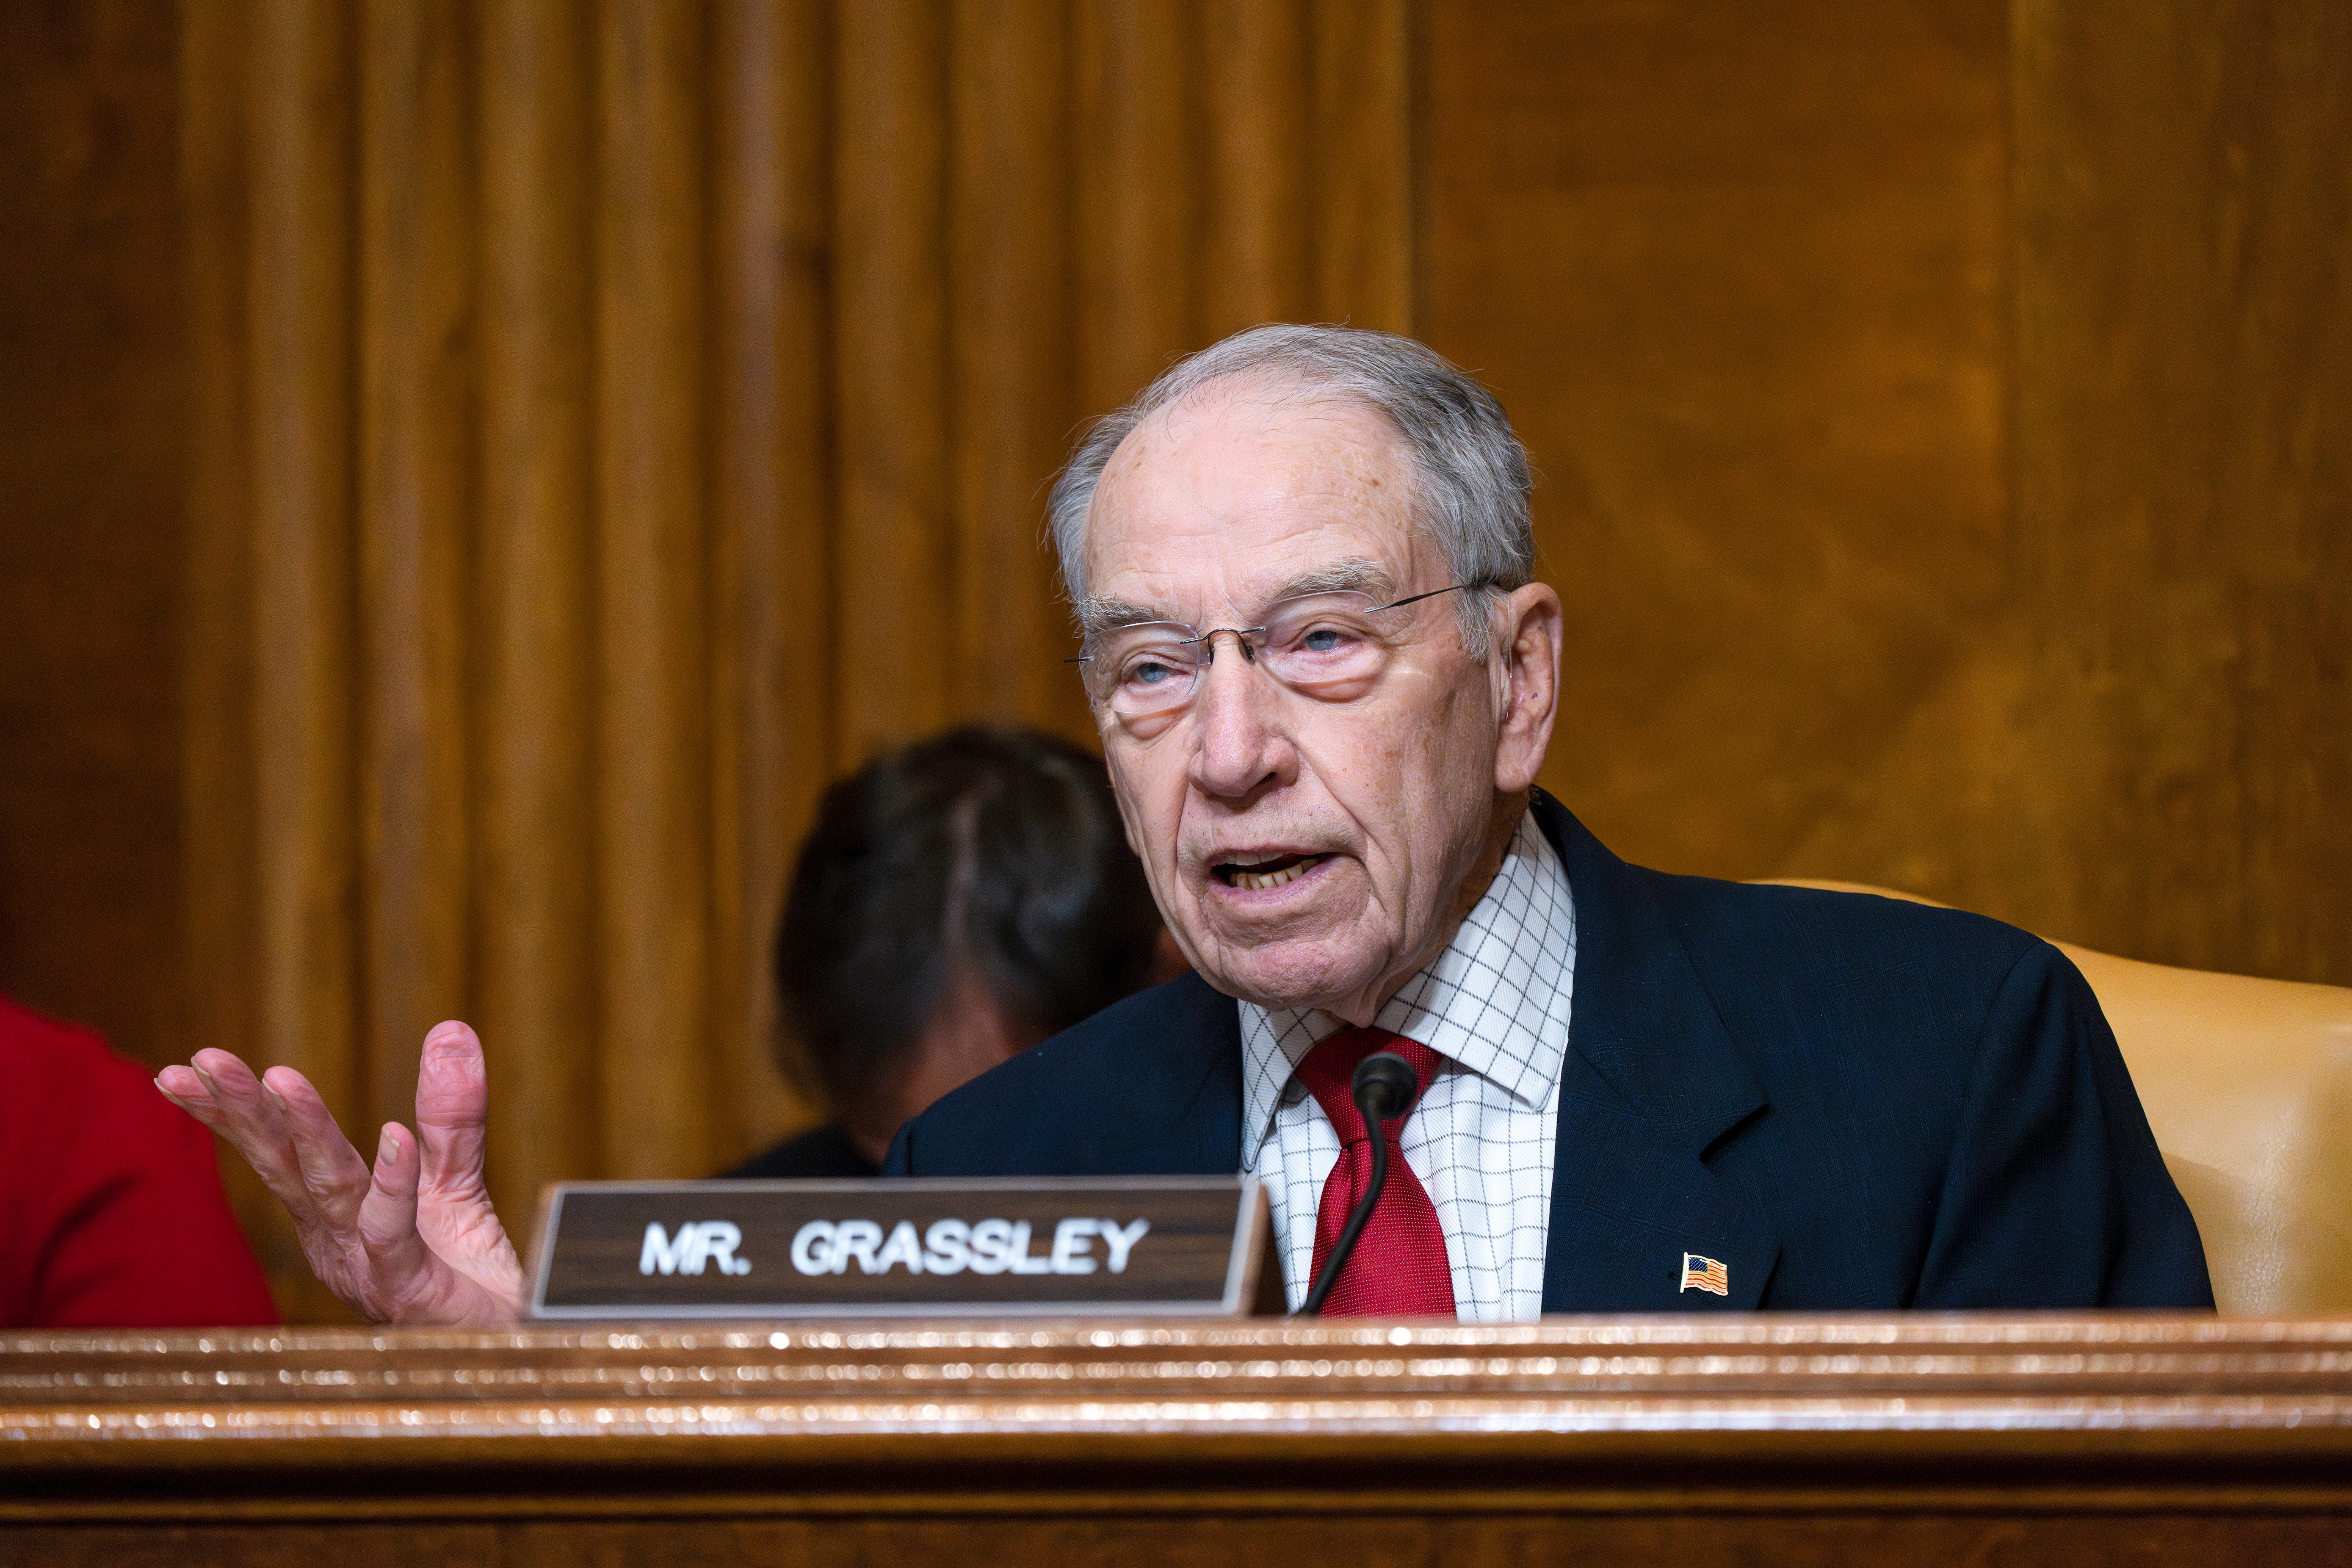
(1323, 642)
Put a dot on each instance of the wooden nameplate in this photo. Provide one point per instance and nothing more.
(1059, 1246)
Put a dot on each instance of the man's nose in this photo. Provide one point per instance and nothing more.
(1238, 745)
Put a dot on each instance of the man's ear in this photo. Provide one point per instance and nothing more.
(1527, 626)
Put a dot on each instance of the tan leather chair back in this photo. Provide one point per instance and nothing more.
(2247, 1085)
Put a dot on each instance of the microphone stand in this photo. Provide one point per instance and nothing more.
(1383, 1085)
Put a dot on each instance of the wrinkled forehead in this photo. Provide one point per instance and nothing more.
(1235, 497)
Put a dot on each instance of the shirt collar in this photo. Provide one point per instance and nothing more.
(1495, 1002)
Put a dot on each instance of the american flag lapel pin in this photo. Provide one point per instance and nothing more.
(1705, 1274)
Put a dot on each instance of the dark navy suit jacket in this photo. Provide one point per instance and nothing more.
(1854, 1103)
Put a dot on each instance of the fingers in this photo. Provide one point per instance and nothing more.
(221, 1091)
(453, 1205)
(397, 1257)
(357, 1223)
(412, 1280)
(453, 1108)
(330, 1168)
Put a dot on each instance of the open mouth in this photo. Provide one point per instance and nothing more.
(1259, 873)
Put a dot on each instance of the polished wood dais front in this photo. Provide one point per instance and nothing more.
(2121, 1438)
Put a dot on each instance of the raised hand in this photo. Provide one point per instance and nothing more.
(412, 1239)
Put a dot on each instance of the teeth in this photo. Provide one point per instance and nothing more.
(1258, 882)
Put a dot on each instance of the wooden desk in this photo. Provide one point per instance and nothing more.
(1697, 1441)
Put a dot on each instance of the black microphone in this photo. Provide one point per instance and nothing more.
(1383, 1086)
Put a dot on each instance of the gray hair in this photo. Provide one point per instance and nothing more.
(1472, 471)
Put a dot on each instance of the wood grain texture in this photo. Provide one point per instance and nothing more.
(1366, 165)
(1135, 184)
(2276, 1387)
(1012, 395)
(1943, 423)
(219, 874)
(773, 659)
(1742, 284)
(892, 584)
(1257, 81)
(417, 423)
(305, 718)
(1732, 1536)
(94, 402)
(2121, 1439)
(535, 960)
(2184, 419)
(652, 575)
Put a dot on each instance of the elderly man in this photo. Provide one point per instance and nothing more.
(1324, 682)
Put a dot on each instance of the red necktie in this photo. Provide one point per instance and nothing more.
(1399, 1267)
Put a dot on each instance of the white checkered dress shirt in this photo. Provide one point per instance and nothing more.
(1493, 1006)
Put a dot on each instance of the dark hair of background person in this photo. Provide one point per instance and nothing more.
(977, 879)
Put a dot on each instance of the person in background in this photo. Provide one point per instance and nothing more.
(111, 1214)
(958, 901)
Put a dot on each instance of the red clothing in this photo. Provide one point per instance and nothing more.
(111, 1214)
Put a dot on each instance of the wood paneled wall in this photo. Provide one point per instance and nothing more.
(1944, 416)
(1740, 274)
(2183, 419)
(93, 451)
(613, 418)
(621, 416)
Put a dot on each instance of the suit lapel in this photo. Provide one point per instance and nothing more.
(1184, 1099)
(1651, 1082)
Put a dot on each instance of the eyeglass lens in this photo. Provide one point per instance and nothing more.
(1319, 644)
